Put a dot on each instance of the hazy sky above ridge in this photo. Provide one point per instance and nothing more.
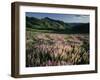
(70, 18)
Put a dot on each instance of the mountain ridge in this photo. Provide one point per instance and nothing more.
(52, 24)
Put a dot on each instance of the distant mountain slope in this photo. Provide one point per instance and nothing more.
(57, 25)
(81, 28)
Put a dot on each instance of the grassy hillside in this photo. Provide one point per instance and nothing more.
(56, 25)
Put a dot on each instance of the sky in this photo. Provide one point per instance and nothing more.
(69, 18)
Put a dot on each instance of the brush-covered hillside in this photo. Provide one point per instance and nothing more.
(56, 25)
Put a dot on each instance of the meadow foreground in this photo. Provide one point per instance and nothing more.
(54, 49)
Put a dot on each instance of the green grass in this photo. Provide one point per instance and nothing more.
(39, 31)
